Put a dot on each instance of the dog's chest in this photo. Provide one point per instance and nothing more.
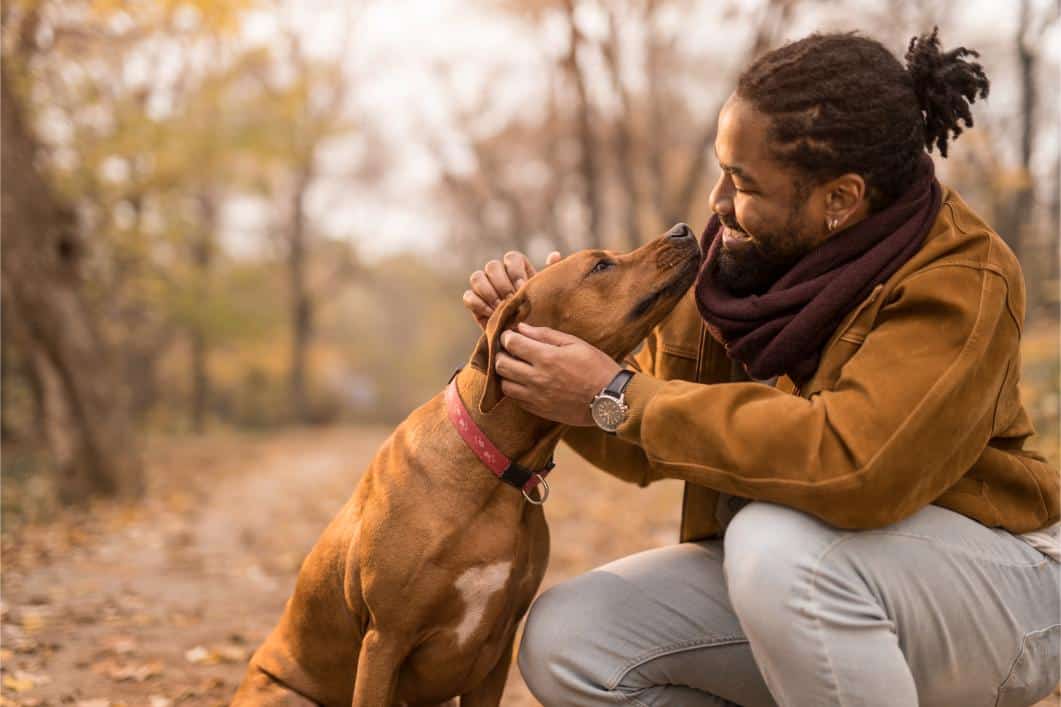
(476, 617)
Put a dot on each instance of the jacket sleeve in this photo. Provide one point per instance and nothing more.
(909, 414)
(608, 452)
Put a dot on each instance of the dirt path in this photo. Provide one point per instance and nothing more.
(162, 604)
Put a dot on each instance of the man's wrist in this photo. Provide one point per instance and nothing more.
(608, 408)
(607, 375)
(617, 385)
(638, 395)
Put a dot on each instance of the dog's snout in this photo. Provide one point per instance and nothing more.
(680, 230)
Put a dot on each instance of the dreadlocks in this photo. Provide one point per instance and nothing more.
(843, 103)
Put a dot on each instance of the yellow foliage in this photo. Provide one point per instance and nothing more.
(218, 16)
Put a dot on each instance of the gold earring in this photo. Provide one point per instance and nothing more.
(832, 224)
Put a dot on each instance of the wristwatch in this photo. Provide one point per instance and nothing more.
(609, 406)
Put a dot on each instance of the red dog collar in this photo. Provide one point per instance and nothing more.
(503, 468)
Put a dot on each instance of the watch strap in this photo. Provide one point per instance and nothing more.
(618, 384)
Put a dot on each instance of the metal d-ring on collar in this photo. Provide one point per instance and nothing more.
(543, 491)
(519, 476)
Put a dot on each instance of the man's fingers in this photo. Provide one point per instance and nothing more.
(479, 309)
(546, 335)
(513, 369)
(499, 278)
(524, 348)
(516, 391)
(481, 286)
(518, 268)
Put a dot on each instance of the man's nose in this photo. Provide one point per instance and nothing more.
(721, 197)
(680, 230)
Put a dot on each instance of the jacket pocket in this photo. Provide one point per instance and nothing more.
(1035, 671)
(676, 363)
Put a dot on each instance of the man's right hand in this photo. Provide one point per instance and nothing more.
(497, 280)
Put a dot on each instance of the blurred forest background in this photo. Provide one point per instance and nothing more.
(258, 213)
(235, 237)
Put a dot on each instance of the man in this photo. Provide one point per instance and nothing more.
(893, 550)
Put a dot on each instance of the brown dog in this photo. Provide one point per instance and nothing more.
(414, 591)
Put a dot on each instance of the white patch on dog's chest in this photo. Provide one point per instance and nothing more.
(476, 586)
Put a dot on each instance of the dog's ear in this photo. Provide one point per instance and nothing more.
(511, 312)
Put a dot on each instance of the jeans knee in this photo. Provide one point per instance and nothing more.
(551, 658)
(769, 549)
(535, 648)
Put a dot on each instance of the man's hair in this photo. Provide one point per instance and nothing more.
(842, 103)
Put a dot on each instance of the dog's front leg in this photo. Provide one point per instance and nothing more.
(488, 692)
(377, 670)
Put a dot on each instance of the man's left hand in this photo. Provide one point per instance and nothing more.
(552, 374)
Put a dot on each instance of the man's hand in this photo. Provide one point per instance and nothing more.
(497, 280)
(552, 374)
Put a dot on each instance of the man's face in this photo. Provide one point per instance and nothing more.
(769, 219)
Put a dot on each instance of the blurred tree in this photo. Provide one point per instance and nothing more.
(626, 160)
(130, 142)
(302, 112)
(84, 406)
(87, 76)
(589, 161)
(1019, 217)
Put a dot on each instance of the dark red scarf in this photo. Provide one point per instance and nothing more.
(784, 329)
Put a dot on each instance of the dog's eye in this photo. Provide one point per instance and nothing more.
(602, 265)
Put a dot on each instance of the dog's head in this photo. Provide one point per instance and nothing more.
(611, 300)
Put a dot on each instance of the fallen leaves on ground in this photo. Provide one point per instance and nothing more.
(121, 671)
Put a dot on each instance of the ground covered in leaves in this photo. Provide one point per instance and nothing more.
(162, 603)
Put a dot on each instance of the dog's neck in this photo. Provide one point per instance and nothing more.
(524, 438)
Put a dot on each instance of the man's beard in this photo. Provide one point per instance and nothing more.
(754, 268)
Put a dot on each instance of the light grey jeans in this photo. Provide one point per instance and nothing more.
(934, 610)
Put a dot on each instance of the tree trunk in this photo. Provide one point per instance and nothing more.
(587, 143)
(657, 140)
(554, 190)
(1052, 285)
(87, 425)
(202, 259)
(301, 302)
(1018, 217)
(7, 430)
(624, 137)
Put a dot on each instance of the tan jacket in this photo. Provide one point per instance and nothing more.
(915, 401)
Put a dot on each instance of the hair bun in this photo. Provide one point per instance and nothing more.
(945, 84)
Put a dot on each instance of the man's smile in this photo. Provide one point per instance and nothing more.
(731, 237)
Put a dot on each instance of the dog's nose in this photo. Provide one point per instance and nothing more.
(680, 230)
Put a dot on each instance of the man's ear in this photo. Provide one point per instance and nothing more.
(507, 316)
(844, 195)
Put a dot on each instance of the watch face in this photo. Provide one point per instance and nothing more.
(608, 412)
